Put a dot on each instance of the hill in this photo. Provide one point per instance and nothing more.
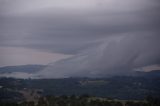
(21, 68)
(119, 87)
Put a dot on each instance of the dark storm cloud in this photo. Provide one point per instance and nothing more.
(116, 55)
(105, 36)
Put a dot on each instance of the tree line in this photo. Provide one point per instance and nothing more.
(83, 100)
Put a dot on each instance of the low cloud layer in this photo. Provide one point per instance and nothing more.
(104, 36)
(116, 55)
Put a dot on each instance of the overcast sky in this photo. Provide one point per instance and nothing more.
(80, 37)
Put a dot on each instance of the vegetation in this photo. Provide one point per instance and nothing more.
(127, 88)
(126, 91)
(83, 100)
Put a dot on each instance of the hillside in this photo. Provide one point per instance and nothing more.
(119, 87)
(21, 68)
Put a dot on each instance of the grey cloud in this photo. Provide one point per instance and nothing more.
(115, 55)
(103, 35)
(68, 32)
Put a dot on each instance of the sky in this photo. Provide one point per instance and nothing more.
(90, 38)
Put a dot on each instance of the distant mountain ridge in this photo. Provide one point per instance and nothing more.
(22, 68)
(153, 73)
(31, 69)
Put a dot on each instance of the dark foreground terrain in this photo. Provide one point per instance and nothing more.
(112, 91)
(83, 100)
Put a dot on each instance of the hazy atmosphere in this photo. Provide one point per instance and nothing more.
(84, 38)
